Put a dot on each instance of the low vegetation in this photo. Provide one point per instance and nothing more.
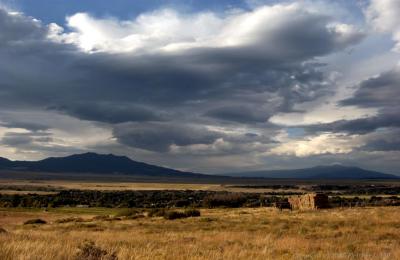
(196, 224)
(36, 221)
(244, 233)
(89, 251)
(177, 199)
(172, 214)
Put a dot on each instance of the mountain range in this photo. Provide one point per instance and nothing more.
(94, 163)
(335, 171)
(107, 164)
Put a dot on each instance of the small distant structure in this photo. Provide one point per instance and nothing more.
(310, 201)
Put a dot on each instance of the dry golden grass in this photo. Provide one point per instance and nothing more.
(30, 186)
(92, 185)
(263, 233)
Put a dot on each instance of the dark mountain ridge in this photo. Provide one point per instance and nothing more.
(94, 163)
(107, 164)
(318, 172)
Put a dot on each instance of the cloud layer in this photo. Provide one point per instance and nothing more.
(195, 88)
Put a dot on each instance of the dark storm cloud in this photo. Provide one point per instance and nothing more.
(160, 136)
(13, 139)
(241, 114)
(111, 112)
(25, 125)
(36, 141)
(37, 73)
(15, 27)
(380, 91)
(358, 126)
(383, 145)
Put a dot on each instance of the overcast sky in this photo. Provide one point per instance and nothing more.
(206, 86)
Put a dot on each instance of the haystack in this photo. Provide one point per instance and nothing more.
(309, 201)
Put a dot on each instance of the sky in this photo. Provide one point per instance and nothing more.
(204, 86)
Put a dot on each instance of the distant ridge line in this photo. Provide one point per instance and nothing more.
(109, 164)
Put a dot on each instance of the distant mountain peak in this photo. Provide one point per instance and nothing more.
(333, 171)
(91, 162)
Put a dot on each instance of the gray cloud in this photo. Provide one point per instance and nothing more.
(380, 91)
(40, 142)
(154, 100)
(42, 73)
(358, 126)
(160, 136)
(383, 145)
(15, 140)
(384, 140)
(241, 114)
(111, 112)
(26, 125)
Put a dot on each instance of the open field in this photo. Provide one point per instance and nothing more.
(87, 216)
(244, 185)
(43, 187)
(246, 233)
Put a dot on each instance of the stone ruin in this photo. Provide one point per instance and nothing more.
(309, 201)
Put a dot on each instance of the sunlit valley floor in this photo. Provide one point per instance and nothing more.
(245, 233)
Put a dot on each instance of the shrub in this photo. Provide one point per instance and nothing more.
(89, 251)
(171, 215)
(105, 218)
(3, 231)
(68, 220)
(192, 213)
(156, 213)
(136, 216)
(182, 203)
(231, 200)
(37, 221)
(127, 213)
(207, 219)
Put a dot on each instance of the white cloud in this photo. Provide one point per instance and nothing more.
(168, 30)
(326, 143)
(384, 16)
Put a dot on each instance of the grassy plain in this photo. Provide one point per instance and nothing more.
(32, 186)
(245, 233)
(10, 186)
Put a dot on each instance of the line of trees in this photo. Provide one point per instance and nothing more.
(169, 199)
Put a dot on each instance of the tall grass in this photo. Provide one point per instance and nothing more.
(261, 233)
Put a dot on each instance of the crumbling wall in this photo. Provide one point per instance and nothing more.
(309, 201)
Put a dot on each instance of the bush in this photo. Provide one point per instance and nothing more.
(156, 213)
(37, 221)
(105, 218)
(230, 200)
(192, 213)
(68, 220)
(3, 231)
(182, 203)
(171, 215)
(127, 213)
(207, 219)
(89, 251)
(136, 216)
